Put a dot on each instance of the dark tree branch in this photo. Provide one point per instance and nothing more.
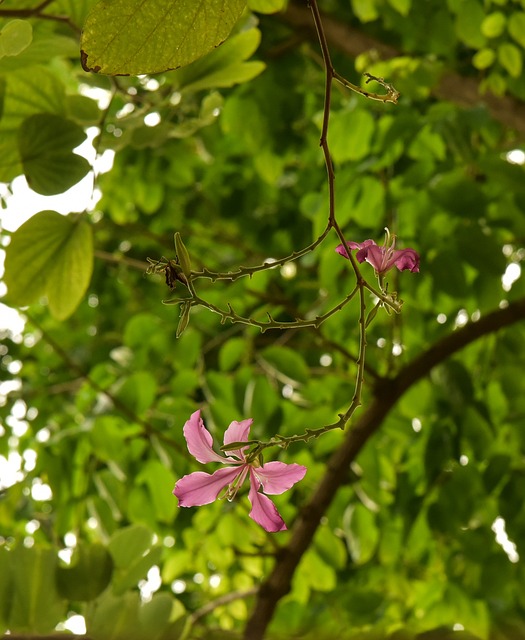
(37, 12)
(27, 12)
(461, 90)
(385, 395)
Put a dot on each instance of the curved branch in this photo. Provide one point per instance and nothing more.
(461, 90)
(385, 395)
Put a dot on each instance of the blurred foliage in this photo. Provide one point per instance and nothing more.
(96, 388)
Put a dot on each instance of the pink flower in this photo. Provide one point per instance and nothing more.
(385, 257)
(201, 488)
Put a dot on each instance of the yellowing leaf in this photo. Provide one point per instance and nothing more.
(516, 27)
(510, 58)
(131, 37)
(15, 37)
(267, 6)
(49, 255)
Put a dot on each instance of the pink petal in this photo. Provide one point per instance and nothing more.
(200, 442)
(362, 246)
(278, 477)
(238, 432)
(201, 488)
(407, 259)
(264, 512)
(376, 256)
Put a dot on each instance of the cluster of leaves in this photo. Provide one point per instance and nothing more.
(103, 386)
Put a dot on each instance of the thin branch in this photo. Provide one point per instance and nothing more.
(37, 12)
(461, 90)
(119, 259)
(28, 12)
(385, 395)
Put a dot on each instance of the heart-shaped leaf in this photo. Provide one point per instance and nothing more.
(51, 255)
(45, 144)
(132, 37)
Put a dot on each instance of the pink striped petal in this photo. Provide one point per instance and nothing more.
(238, 432)
(278, 477)
(201, 488)
(199, 440)
(264, 512)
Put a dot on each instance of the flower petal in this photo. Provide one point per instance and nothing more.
(407, 259)
(362, 246)
(201, 488)
(200, 441)
(264, 512)
(380, 258)
(238, 432)
(278, 477)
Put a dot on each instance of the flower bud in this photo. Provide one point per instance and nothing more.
(184, 318)
(183, 256)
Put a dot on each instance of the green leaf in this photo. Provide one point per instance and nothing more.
(365, 10)
(128, 544)
(28, 91)
(516, 27)
(361, 532)
(350, 135)
(232, 353)
(43, 47)
(133, 554)
(6, 588)
(50, 255)
(469, 19)
(224, 66)
(401, 6)
(45, 143)
(3, 85)
(287, 362)
(89, 574)
(155, 614)
(82, 110)
(115, 617)
(138, 391)
(510, 58)
(483, 58)
(266, 6)
(493, 25)
(15, 37)
(160, 482)
(131, 37)
(36, 606)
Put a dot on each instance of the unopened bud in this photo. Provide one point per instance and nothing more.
(183, 256)
(184, 318)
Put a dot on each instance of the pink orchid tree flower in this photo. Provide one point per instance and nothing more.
(384, 257)
(199, 488)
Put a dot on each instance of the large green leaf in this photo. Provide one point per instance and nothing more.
(286, 362)
(224, 66)
(36, 605)
(50, 255)
(28, 91)
(267, 6)
(130, 37)
(134, 554)
(45, 143)
(88, 575)
(6, 588)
